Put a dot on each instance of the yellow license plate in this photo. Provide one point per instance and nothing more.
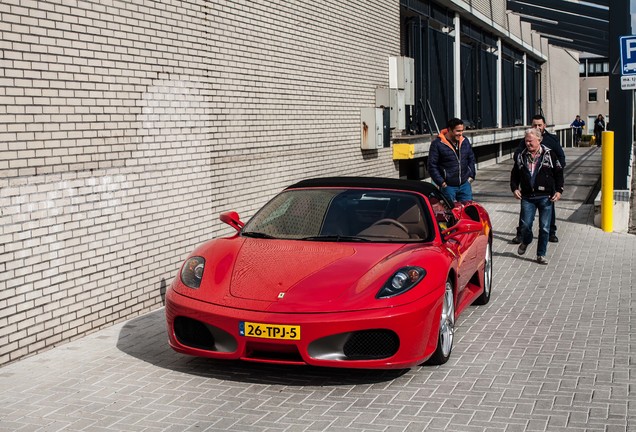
(269, 331)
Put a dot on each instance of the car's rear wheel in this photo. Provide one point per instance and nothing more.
(446, 333)
(484, 298)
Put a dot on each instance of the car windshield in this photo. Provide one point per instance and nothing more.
(342, 215)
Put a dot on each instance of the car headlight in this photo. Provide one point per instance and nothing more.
(402, 281)
(192, 272)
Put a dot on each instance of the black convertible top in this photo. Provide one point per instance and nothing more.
(424, 188)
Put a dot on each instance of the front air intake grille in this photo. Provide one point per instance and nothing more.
(371, 345)
(193, 333)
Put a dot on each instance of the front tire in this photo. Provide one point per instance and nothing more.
(446, 333)
(484, 298)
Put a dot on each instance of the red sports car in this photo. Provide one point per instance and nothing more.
(346, 272)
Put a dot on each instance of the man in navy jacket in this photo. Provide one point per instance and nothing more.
(451, 162)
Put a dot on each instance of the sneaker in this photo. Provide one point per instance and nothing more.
(516, 240)
(554, 239)
(522, 249)
(542, 260)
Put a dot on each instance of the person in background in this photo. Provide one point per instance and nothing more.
(577, 125)
(552, 142)
(451, 162)
(537, 180)
(599, 127)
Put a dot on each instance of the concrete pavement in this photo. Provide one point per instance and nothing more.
(554, 350)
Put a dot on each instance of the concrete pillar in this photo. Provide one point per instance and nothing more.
(621, 103)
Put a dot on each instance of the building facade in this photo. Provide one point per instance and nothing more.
(127, 127)
(594, 89)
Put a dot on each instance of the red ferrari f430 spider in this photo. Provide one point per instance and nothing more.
(348, 272)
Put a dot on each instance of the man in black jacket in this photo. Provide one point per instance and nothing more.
(551, 142)
(451, 162)
(537, 180)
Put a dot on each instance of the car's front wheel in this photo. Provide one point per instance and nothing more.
(446, 333)
(484, 298)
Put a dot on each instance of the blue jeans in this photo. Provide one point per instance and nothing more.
(553, 227)
(529, 207)
(464, 192)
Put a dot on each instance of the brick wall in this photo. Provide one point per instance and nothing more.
(126, 127)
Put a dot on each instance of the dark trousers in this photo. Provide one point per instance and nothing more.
(529, 207)
(552, 223)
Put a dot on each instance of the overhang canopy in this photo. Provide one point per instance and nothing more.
(577, 26)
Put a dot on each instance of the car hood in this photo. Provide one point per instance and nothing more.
(287, 276)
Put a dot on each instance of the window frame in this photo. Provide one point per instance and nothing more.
(590, 92)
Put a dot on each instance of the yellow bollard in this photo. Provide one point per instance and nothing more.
(607, 182)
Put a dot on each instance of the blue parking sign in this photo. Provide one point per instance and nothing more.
(628, 55)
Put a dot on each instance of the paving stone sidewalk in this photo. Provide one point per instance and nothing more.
(554, 350)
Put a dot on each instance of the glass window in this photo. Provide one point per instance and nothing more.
(341, 215)
(606, 95)
(592, 95)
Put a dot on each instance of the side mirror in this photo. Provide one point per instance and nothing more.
(462, 227)
(232, 219)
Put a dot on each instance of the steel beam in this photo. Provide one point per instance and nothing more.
(605, 3)
(600, 32)
(556, 15)
(567, 7)
(602, 43)
(576, 46)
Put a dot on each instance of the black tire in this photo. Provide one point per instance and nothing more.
(446, 334)
(484, 298)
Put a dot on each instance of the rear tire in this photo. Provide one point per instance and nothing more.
(484, 298)
(446, 333)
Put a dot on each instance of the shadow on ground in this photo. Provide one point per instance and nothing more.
(584, 215)
(145, 338)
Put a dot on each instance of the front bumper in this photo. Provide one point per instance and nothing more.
(387, 338)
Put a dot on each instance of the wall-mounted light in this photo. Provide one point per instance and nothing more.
(448, 30)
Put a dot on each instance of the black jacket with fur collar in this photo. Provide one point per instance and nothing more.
(547, 180)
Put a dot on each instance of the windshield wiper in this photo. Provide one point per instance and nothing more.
(256, 234)
(336, 238)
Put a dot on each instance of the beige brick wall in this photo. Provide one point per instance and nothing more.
(127, 127)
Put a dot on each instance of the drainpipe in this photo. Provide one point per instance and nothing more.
(525, 88)
(457, 75)
(499, 81)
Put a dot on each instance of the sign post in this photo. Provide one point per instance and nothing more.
(607, 182)
(628, 62)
